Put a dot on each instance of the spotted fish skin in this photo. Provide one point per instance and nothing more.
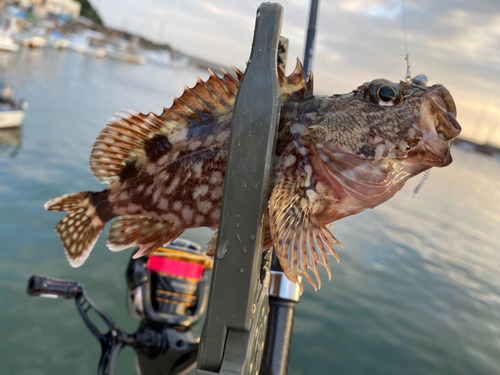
(335, 156)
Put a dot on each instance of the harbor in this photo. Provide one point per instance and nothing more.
(416, 290)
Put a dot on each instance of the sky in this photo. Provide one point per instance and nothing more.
(454, 42)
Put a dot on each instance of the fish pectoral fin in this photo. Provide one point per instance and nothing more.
(300, 240)
(133, 230)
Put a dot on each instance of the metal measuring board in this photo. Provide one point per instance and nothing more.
(234, 329)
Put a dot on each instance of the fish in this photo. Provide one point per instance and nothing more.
(335, 157)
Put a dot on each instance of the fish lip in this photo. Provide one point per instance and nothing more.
(434, 156)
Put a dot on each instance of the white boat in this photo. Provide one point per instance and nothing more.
(128, 57)
(60, 44)
(11, 117)
(35, 41)
(7, 43)
(12, 112)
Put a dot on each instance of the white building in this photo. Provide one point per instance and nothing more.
(42, 7)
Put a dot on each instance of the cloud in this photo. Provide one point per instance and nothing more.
(453, 42)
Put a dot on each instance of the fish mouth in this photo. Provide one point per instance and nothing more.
(436, 155)
(439, 127)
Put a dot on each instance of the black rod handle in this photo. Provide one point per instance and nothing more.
(45, 286)
(279, 336)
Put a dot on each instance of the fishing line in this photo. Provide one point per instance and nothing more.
(424, 178)
(407, 56)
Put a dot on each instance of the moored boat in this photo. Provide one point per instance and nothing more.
(7, 43)
(12, 112)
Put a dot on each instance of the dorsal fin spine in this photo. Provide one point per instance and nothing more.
(201, 101)
(124, 138)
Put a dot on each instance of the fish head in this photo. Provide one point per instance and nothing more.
(383, 121)
(423, 123)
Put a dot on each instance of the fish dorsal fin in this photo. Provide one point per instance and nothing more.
(128, 135)
(295, 86)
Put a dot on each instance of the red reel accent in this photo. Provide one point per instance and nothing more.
(175, 267)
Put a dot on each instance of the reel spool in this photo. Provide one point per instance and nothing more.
(169, 286)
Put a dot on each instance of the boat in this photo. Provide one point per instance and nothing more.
(7, 43)
(35, 41)
(125, 56)
(12, 112)
(126, 51)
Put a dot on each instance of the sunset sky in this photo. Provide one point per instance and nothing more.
(454, 42)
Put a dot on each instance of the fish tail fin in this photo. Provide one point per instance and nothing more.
(80, 229)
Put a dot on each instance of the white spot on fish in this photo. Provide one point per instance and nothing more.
(379, 151)
(173, 184)
(200, 191)
(222, 136)
(204, 206)
(163, 176)
(199, 219)
(209, 140)
(151, 168)
(297, 128)
(197, 169)
(215, 214)
(377, 139)
(311, 195)
(216, 193)
(308, 169)
(290, 160)
(163, 159)
(139, 188)
(149, 190)
(193, 145)
(187, 214)
(181, 135)
(303, 151)
(177, 205)
(124, 196)
(163, 204)
(216, 178)
(389, 144)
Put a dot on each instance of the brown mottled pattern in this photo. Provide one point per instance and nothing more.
(335, 156)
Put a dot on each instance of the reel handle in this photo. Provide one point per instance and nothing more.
(47, 287)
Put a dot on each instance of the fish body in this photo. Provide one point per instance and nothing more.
(335, 156)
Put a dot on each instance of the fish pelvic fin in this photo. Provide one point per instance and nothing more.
(300, 240)
(80, 229)
(133, 230)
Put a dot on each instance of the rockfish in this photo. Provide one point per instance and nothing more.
(335, 156)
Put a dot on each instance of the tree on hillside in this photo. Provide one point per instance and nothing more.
(89, 12)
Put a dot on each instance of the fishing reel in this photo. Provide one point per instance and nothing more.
(167, 290)
(169, 286)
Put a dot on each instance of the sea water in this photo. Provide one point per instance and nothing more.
(417, 290)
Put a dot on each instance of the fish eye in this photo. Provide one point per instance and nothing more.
(383, 92)
(386, 94)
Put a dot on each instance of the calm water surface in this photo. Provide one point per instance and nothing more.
(417, 290)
